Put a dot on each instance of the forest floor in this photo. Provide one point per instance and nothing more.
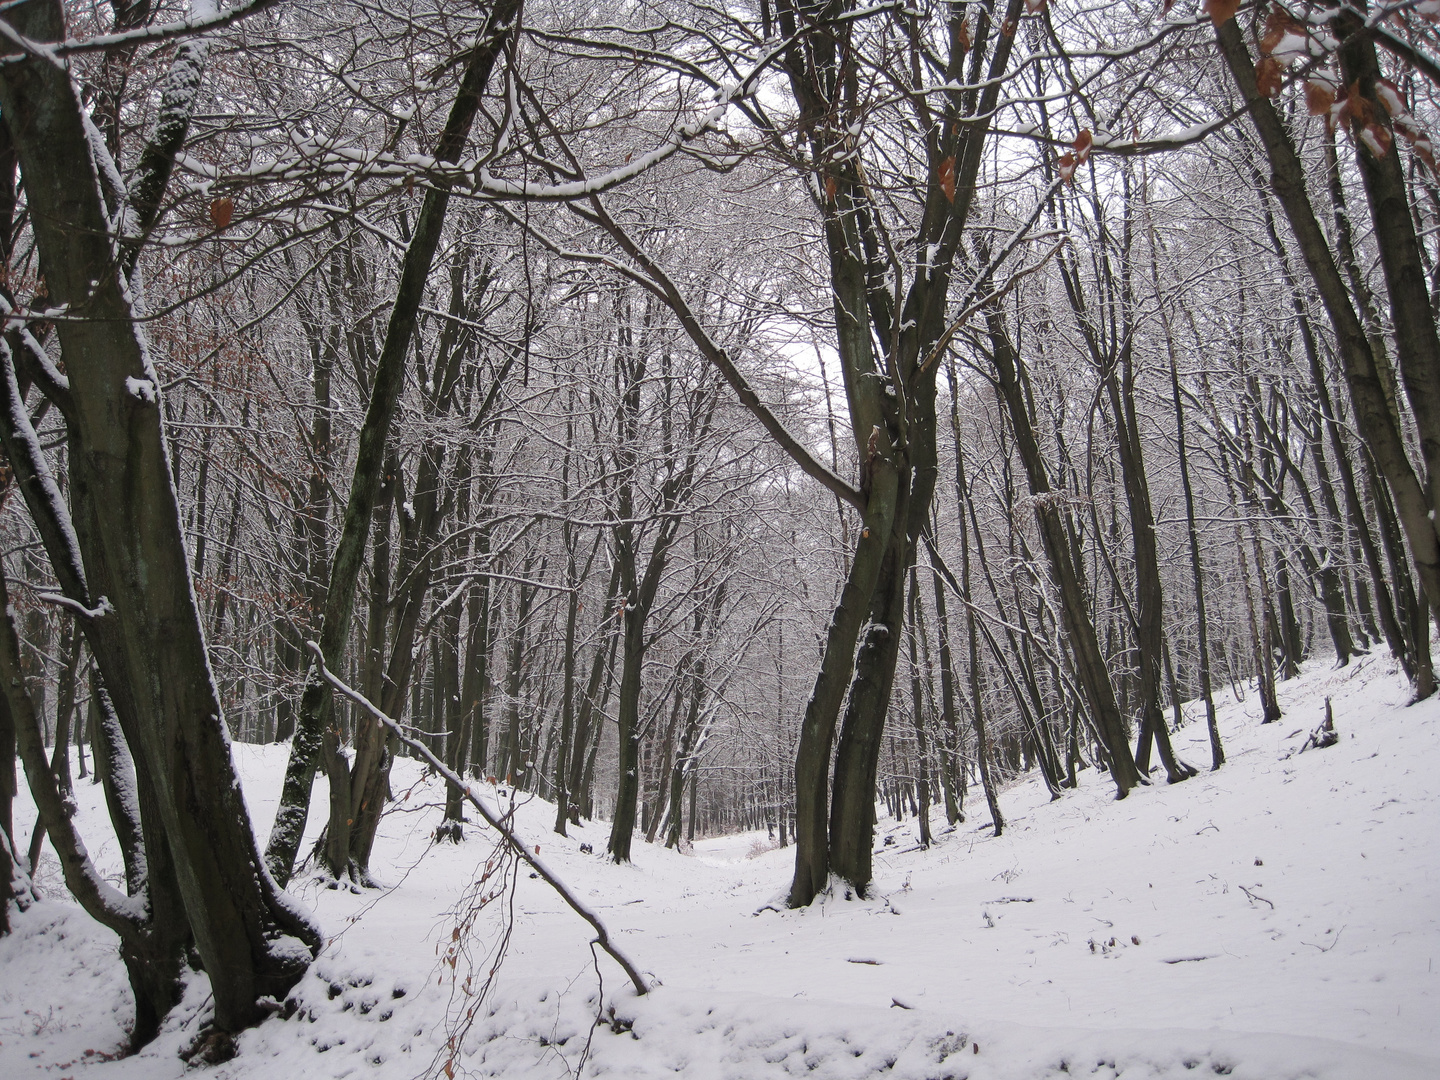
(1277, 919)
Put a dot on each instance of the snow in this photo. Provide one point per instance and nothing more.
(142, 389)
(1276, 919)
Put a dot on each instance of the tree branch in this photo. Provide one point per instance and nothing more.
(528, 854)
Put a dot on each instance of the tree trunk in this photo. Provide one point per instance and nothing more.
(149, 644)
(1373, 415)
(501, 25)
(917, 715)
(817, 727)
(1090, 666)
(1197, 570)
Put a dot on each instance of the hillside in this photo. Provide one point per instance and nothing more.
(1277, 919)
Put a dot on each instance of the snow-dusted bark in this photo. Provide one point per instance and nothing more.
(146, 636)
(126, 915)
(18, 894)
(153, 949)
(178, 91)
(15, 890)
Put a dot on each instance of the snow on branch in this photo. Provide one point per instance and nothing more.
(348, 164)
(195, 23)
(38, 484)
(987, 275)
(126, 915)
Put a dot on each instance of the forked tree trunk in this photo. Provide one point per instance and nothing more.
(148, 643)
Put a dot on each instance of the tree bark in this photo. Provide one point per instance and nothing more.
(495, 38)
(1373, 416)
(146, 637)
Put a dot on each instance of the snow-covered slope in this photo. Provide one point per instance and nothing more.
(1277, 919)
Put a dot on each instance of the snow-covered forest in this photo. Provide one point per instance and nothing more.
(577, 528)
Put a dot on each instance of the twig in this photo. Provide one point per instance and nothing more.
(1333, 943)
(531, 858)
(1015, 279)
(599, 1012)
(1255, 896)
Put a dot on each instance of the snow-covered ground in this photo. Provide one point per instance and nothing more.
(1278, 919)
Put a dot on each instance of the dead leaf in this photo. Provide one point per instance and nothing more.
(1377, 138)
(1425, 151)
(946, 176)
(1221, 11)
(1269, 76)
(1319, 97)
(1277, 25)
(1082, 145)
(221, 211)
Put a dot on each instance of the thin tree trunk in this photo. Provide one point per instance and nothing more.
(1373, 414)
(917, 714)
(1090, 667)
(1197, 569)
(501, 26)
(977, 697)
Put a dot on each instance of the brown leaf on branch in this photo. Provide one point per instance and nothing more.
(1388, 94)
(1377, 137)
(1425, 151)
(1319, 97)
(1082, 145)
(946, 175)
(221, 211)
(1066, 165)
(1269, 76)
(1221, 11)
(1277, 24)
(1355, 110)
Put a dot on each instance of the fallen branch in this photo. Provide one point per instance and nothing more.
(528, 855)
(1326, 948)
(1256, 896)
(1324, 735)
